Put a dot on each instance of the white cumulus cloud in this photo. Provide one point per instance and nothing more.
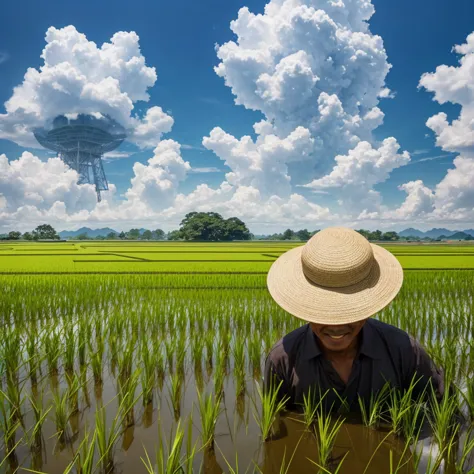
(155, 185)
(79, 77)
(356, 173)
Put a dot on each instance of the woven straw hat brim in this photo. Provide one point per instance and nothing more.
(306, 300)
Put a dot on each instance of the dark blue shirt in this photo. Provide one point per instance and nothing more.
(385, 354)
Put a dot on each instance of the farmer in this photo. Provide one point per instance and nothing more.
(335, 282)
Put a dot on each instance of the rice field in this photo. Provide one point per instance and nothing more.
(148, 358)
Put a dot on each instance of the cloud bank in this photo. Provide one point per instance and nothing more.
(79, 77)
(317, 75)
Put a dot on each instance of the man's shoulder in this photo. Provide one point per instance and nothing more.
(392, 335)
(287, 345)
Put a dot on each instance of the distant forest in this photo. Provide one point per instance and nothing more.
(212, 227)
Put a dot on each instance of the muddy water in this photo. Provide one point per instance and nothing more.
(368, 451)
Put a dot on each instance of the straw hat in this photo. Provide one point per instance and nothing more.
(337, 277)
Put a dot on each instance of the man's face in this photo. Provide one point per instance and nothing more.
(337, 338)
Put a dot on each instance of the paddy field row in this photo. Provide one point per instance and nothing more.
(161, 372)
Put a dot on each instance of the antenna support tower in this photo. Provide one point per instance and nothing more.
(81, 142)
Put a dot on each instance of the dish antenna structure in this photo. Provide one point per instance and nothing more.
(81, 142)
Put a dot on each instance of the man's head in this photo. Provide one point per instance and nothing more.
(337, 338)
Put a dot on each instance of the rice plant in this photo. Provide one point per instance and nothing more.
(311, 404)
(239, 369)
(442, 418)
(106, 438)
(326, 430)
(83, 459)
(61, 416)
(35, 437)
(373, 413)
(209, 410)
(9, 425)
(168, 458)
(271, 406)
(148, 373)
(126, 395)
(176, 393)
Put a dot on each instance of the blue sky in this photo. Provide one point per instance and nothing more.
(178, 38)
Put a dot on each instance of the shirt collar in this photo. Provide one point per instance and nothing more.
(371, 345)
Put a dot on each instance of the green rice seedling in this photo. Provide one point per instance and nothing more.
(325, 470)
(10, 351)
(74, 384)
(209, 343)
(442, 418)
(468, 396)
(170, 346)
(8, 425)
(97, 359)
(125, 359)
(209, 411)
(114, 343)
(400, 406)
(311, 404)
(14, 396)
(197, 351)
(176, 394)
(52, 344)
(148, 373)
(106, 438)
(219, 375)
(84, 386)
(33, 359)
(255, 353)
(171, 461)
(81, 341)
(61, 416)
(35, 438)
(69, 348)
(83, 460)
(372, 414)
(126, 394)
(326, 430)
(239, 369)
(180, 354)
(466, 453)
(159, 363)
(270, 408)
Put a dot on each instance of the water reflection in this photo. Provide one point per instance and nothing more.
(364, 450)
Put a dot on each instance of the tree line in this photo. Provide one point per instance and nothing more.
(202, 227)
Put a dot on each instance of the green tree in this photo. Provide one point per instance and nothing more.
(111, 236)
(14, 235)
(390, 236)
(122, 235)
(288, 234)
(303, 234)
(212, 227)
(133, 234)
(376, 235)
(174, 235)
(147, 235)
(27, 236)
(83, 236)
(159, 234)
(235, 229)
(45, 231)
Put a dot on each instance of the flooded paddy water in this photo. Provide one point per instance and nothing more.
(111, 373)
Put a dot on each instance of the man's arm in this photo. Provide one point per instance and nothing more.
(423, 366)
(273, 376)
